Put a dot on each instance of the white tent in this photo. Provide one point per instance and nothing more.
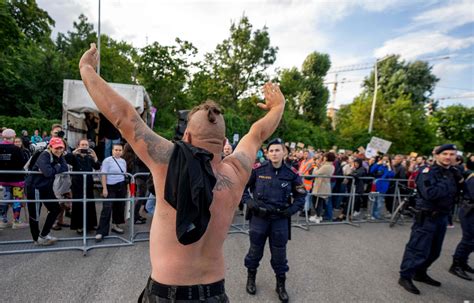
(77, 102)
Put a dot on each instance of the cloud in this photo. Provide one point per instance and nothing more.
(424, 42)
(447, 17)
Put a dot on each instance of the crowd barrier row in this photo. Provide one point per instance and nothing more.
(85, 243)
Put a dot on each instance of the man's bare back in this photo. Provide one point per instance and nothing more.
(201, 262)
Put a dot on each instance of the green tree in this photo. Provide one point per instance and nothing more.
(34, 22)
(305, 90)
(398, 78)
(455, 123)
(164, 71)
(236, 68)
(116, 58)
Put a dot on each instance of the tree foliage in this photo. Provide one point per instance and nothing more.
(455, 123)
(398, 78)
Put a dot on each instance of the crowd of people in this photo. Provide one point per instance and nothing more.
(44, 186)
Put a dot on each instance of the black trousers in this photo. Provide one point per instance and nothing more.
(140, 193)
(114, 209)
(34, 211)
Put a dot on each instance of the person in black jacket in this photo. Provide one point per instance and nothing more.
(40, 186)
(83, 159)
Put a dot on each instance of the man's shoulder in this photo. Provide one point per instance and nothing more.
(259, 166)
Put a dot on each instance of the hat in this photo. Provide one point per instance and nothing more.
(56, 142)
(275, 141)
(444, 147)
(8, 133)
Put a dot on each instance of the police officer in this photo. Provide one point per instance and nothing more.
(272, 184)
(466, 215)
(437, 187)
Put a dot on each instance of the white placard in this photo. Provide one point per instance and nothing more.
(236, 138)
(370, 152)
(293, 145)
(379, 144)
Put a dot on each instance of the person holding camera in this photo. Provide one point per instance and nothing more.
(113, 186)
(40, 186)
(272, 185)
(381, 170)
(83, 159)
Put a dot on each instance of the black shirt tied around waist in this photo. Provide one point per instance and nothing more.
(188, 188)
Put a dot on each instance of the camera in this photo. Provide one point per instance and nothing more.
(61, 134)
(85, 151)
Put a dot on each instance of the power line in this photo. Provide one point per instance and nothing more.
(458, 88)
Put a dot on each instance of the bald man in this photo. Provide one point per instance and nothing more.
(193, 272)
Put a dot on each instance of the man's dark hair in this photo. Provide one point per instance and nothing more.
(330, 157)
(212, 109)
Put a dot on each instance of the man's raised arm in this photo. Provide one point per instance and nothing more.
(260, 131)
(152, 149)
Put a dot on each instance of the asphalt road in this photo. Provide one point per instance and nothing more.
(327, 264)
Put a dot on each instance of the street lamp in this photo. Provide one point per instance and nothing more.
(376, 86)
(98, 43)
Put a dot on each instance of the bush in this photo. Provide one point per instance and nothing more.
(30, 124)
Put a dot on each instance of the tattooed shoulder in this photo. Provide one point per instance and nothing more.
(158, 149)
(222, 182)
(243, 160)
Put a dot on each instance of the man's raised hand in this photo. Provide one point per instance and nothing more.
(89, 58)
(273, 96)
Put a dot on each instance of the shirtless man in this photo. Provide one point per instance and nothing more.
(195, 271)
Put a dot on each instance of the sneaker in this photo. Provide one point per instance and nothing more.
(451, 226)
(19, 225)
(313, 219)
(98, 238)
(355, 214)
(47, 240)
(5, 224)
(388, 216)
(117, 229)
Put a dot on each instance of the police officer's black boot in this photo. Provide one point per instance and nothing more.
(457, 269)
(424, 278)
(251, 287)
(468, 268)
(280, 288)
(408, 285)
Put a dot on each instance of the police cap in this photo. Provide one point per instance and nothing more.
(444, 147)
(275, 141)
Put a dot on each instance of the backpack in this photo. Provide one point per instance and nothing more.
(61, 185)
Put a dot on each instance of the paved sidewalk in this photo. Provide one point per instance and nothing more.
(327, 264)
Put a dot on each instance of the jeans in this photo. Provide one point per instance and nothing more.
(377, 207)
(466, 246)
(108, 146)
(11, 193)
(150, 204)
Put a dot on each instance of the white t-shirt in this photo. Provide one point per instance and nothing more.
(110, 166)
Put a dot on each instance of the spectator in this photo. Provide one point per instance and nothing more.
(227, 150)
(134, 166)
(322, 188)
(381, 171)
(111, 135)
(36, 138)
(11, 158)
(83, 159)
(400, 173)
(40, 186)
(113, 186)
(26, 139)
(25, 151)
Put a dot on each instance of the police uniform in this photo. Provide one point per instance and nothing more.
(437, 188)
(270, 210)
(466, 215)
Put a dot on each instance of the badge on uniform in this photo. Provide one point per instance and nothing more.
(285, 184)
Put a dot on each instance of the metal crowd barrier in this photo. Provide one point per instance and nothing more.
(348, 220)
(83, 243)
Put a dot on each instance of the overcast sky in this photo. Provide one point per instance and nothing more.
(350, 31)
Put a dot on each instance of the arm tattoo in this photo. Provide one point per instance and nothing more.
(244, 161)
(223, 182)
(156, 147)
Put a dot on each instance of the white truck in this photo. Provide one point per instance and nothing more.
(77, 103)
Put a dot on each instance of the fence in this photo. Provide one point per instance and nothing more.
(86, 243)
